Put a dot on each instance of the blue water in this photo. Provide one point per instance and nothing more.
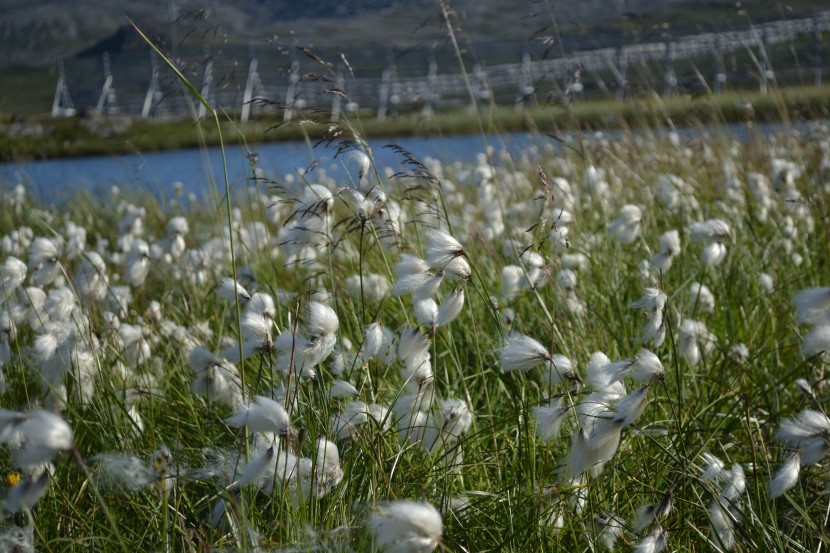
(201, 169)
(197, 169)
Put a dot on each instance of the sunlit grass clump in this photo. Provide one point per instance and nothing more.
(614, 345)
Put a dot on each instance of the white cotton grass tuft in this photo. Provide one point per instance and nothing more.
(643, 367)
(713, 234)
(421, 285)
(806, 432)
(669, 248)
(456, 419)
(560, 368)
(12, 276)
(27, 492)
(522, 353)
(137, 263)
(406, 527)
(341, 388)
(626, 227)
(702, 297)
(91, 280)
(786, 477)
(322, 320)
(441, 249)
(812, 305)
(804, 387)
(229, 289)
(817, 340)
(413, 345)
(44, 264)
(18, 540)
(125, 472)
(693, 340)
(43, 435)
(766, 282)
(549, 419)
(646, 514)
(653, 303)
(655, 542)
(631, 406)
(373, 286)
(215, 379)
(450, 307)
(806, 425)
(425, 312)
(261, 304)
(374, 340)
(263, 415)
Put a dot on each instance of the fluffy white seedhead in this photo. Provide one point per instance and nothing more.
(457, 418)
(373, 286)
(228, 289)
(44, 265)
(653, 543)
(257, 466)
(137, 263)
(450, 308)
(441, 248)
(643, 367)
(421, 285)
(522, 353)
(767, 283)
(807, 425)
(374, 341)
(425, 312)
(12, 275)
(60, 303)
(256, 327)
(341, 389)
(702, 297)
(661, 262)
(713, 468)
(626, 227)
(177, 225)
(263, 415)
(560, 369)
(812, 305)
(406, 527)
(632, 406)
(26, 493)
(322, 320)
(122, 471)
(413, 344)
(817, 340)
(713, 230)
(201, 359)
(804, 387)
(652, 301)
(458, 269)
(410, 265)
(566, 279)
(786, 477)
(549, 419)
(43, 436)
(262, 304)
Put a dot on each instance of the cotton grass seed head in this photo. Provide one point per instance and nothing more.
(406, 527)
(522, 353)
(812, 305)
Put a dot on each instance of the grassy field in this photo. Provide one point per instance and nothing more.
(79, 137)
(555, 369)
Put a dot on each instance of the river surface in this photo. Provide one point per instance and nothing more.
(200, 169)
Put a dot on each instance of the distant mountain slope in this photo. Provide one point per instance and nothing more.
(35, 33)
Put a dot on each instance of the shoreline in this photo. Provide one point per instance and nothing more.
(100, 135)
